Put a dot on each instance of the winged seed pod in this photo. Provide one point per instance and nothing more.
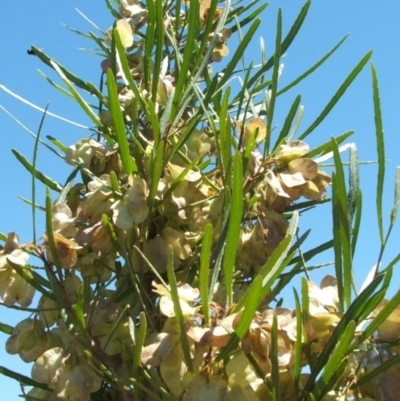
(167, 253)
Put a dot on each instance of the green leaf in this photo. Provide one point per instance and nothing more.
(357, 223)
(21, 99)
(339, 93)
(298, 353)
(276, 385)
(305, 299)
(273, 266)
(40, 176)
(321, 388)
(377, 321)
(381, 369)
(87, 86)
(155, 170)
(247, 316)
(67, 187)
(238, 53)
(206, 47)
(119, 125)
(395, 208)
(251, 142)
(354, 183)
(78, 309)
(341, 232)
(178, 312)
(166, 115)
(244, 96)
(205, 257)
(286, 42)
(380, 143)
(127, 76)
(313, 252)
(275, 77)
(224, 139)
(181, 176)
(6, 328)
(327, 146)
(288, 121)
(116, 324)
(305, 206)
(85, 107)
(190, 127)
(235, 221)
(140, 336)
(25, 380)
(249, 18)
(158, 46)
(148, 46)
(31, 278)
(35, 150)
(340, 352)
(361, 307)
(312, 69)
(54, 283)
(114, 13)
(57, 143)
(219, 251)
(189, 52)
(56, 86)
(111, 232)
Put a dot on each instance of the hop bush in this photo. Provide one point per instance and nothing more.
(166, 251)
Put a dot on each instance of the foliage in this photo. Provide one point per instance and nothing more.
(166, 249)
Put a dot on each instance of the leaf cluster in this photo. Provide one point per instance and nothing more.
(166, 251)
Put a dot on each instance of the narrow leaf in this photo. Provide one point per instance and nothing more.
(205, 257)
(354, 183)
(380, 144)
(274, 265)
(40, 176)
(57, 143)
(27, 381)
(246, 318)
(395, 209)
(6, 328)
(85, 107)
(377, 321)
(39, 108)
(275, 77)
(342, 230)
(33, 183)
(276, 385)
(87, 86)
(288, 121)
(286, 42)
(30, 279)
(327, 146)
(340, 92)
(381, 369)
(340, 352)
(235, 221)
(139, 339)
(312, 69)
(361, 306)
(188, 53)
(239, 53)
(119, 124)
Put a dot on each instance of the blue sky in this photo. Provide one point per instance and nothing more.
(372, 24)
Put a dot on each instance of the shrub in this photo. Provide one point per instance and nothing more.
(165, 251)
